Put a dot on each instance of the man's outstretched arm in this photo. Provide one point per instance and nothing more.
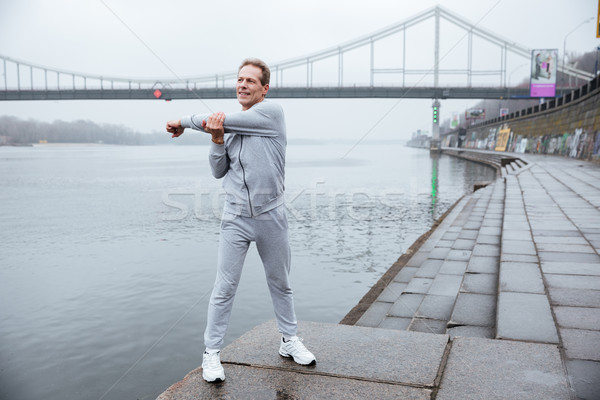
(263, 119)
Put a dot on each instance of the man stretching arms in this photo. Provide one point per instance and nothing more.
(248, 150)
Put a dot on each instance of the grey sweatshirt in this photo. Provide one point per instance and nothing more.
(252, 160)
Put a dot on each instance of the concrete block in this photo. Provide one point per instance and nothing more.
(489, 230)
(444, 243)
(438, 253)
(464, 244)
(374, 314)
(453, 267)
(480, 283)
(471, 331)
(445, 285)
(488, 239)
(516, 234)
(406, 274)
(392, 291)
(525, 316)
(568, 268)
(566, 248)
(578, 317)
(428, 326)
(521, 277)
(468, 234)
(518, 258)
(555, 232)
(516, 225)
(492, 222)
(472, 225)
(451, 236)
(492, 369)
(406, 306)
(518, 247)
(458, 255)
(486, 250)
(436, 307)
(570, 257)
(574, 297)
(395, 323)
(581, 344)
(417, 259)
(384, 355)
(585, 377)
(484, 265)
(418, 285)
(572, 281)
(246, 382)
(473, 309)
(429, 268)
(560, 240)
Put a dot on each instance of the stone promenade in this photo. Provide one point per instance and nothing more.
(502, 301)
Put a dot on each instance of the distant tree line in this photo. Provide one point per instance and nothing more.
(15, 131)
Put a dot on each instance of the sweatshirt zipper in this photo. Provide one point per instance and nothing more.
(244, 174)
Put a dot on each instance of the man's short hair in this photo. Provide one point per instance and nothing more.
(266, 72)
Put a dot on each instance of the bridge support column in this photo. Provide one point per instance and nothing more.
(435, 146)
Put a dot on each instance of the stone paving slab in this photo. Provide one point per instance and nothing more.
(480, 283)
(572, 281)
(525, 316)
(581, 344)
(585, 377)
(384, 355)
(374, 314)
(574, 297)
(521, 277)
(483, 265)
(578, 317)
(494, 369)
(570, 257)
(474, 309)
(243, 382)
(568, 268)
(406, 305)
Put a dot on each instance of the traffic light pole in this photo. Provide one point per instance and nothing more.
(435, 128)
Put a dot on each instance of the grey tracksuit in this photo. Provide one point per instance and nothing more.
(252, 162)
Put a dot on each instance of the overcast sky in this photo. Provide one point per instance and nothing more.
(207, 37)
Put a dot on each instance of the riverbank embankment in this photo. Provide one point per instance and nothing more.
(501, 299)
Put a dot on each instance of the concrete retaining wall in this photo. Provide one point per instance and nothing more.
(567, 126)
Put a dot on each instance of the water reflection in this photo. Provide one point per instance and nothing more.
(435, 160)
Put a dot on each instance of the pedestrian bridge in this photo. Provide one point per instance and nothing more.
(329, 73)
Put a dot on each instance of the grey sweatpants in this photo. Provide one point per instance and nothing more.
(270, 233)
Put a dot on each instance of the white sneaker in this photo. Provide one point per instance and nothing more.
(294, 348)
(212, 371)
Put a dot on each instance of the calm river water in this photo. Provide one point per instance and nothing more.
(108, 254)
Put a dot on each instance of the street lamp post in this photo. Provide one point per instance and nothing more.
(565, 45)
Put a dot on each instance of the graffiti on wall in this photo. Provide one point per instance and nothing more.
(580, 143)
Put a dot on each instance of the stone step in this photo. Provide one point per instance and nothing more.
(360, 363)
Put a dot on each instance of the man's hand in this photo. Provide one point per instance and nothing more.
(175, 128)
(214, 126)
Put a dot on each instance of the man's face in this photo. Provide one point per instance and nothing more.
(249, 88)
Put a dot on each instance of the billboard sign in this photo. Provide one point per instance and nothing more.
(598, 21)
(475, 113)
(454, 122)
(502, 139)
(543, 73)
